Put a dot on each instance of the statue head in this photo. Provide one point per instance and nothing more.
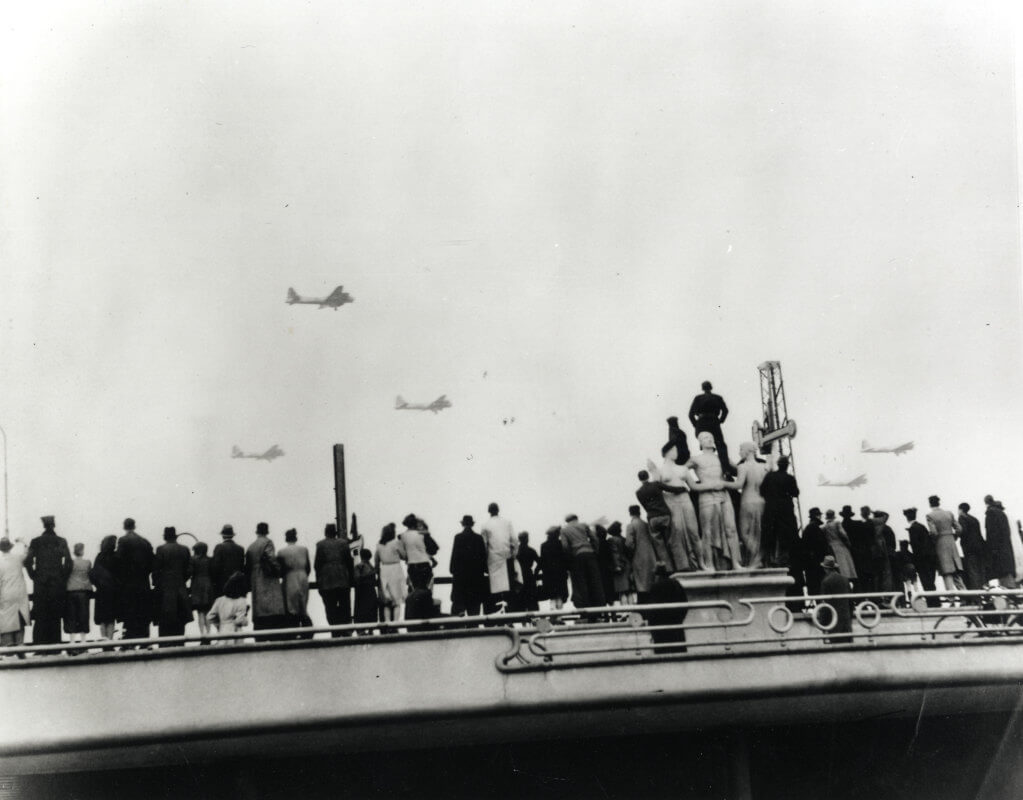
(747, 449)
(706, 440)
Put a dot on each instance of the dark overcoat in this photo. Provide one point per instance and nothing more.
(469, 584)
(172, 567)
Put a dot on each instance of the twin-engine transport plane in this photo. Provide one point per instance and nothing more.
(859, 480)
(898, 450)
(336, 298)
(269, 455)
(439, 404)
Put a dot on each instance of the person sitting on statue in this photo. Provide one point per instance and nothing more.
(685, 526)
(651, 495)
(676, 439)
(717, 515)
(708, 412)
(751, 474)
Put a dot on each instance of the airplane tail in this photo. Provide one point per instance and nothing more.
(821, 480)
(399, 402)
(864, 445)
(236, 452)
(292, 296)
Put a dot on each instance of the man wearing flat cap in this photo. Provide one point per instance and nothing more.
(135, 561)
(228, 558)
(469, 584)
(48, 563)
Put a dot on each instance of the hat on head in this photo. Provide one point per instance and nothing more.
(909, 511)
(830, 514)
(672, 419)
(5, 545)
(227, 532)
(262, 529)
(846, 512)
(829, 563)
(47, 520)
(815, 512)
(129, 524)
(879, 513)
(170, 533)
(467, 520)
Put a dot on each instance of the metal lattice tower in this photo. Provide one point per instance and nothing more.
(775, 425)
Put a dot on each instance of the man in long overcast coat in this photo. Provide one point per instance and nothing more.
(469, 584)
(48, 563)
(228, 558)
(135, 561)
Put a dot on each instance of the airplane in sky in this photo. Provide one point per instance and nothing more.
(269, 455)
(439, 404)
(859, 480)
(335, 299)
(898, 450)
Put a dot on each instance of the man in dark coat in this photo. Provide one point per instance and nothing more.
(666, 590)
(1002, 564)
(48, 562)
(135, 558)
(815, 547)
(861, 541)
(924, 558)
(676, 439)
(779, 528)
(228, 558)
(974, 549)
(554, 568)
(835, 583)
(881, 553)
(528, 559)
(651, 496)
(708, 412)
(172, 567)
(468, 566)
(335, 576)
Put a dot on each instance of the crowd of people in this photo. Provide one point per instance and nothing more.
(703, 513)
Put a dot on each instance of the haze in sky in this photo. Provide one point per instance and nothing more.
(569, 215)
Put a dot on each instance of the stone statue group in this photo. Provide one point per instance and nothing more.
(721, 516)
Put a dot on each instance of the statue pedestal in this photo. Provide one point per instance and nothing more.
(733, 621)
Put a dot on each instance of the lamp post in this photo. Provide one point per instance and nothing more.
(7, 531)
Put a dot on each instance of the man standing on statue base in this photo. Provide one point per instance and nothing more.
(708, 412)
(717, 515)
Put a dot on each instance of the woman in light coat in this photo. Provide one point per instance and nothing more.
(14, 614)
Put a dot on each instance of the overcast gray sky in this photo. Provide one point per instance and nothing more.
(570, 216)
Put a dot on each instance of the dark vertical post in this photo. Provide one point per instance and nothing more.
(340, 499)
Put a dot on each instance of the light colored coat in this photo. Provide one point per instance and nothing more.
(294, 560)
(267, 597)
(499, 537)
(13, 590)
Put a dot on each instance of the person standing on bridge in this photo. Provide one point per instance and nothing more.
(838, 543)
(14, 614)
(780, 527)
(999, 544)
(554, 569)
(387, 560)
(580, 546)
(708, 412)
(944, 529)
(468, 567)
(105, 577)
(861, 538)
(642, 550)
(295, 568)
(79, 589)
(502, 547)
(172, 567)
(48, 564)
(814, 548)
(975, 562)
(200, 587)
(835, 583)
(264, 572)
(228, 558)
(135, 560)
(335, 575)
(924, 558)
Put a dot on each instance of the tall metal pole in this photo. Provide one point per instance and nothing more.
(340, 499)
(7, 530)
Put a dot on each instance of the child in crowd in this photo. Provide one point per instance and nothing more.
(367, 604)
(230, 611)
